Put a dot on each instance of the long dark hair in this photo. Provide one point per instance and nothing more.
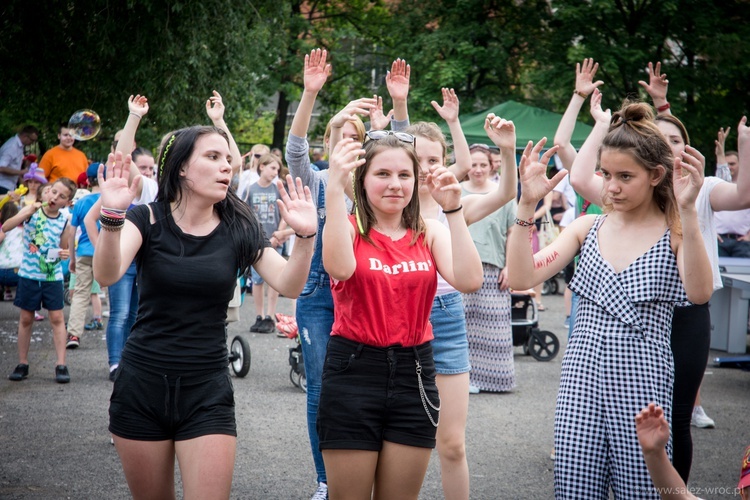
(245, 230)
(633, 131)
(410, 216)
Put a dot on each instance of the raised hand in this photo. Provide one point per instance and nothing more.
(743, 134)
(688, 177)
(345, 157)
(115, 190)
(658, 84)
(501, 132)
(138, 105)
(296, 207)
(585, 73)
(397, 80)
(533, 172)
(379, 120)
(449, 110)
(597, 113)
(360, 106)
(652, 429)
(317, 70)
(721, 139)
(444, 187)
(215, 107)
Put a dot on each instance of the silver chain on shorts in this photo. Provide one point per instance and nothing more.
(425, 399)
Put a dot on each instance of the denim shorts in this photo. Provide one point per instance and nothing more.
(147, 406)
(32, 295)
(450, 346)
(257, 280)
(372, 394)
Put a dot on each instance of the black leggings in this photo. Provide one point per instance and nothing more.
(691, 338)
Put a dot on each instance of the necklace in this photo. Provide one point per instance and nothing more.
(390, 233)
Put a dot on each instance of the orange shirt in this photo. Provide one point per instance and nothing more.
(58, 162)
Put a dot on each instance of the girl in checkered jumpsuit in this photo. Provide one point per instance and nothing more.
(636, 261)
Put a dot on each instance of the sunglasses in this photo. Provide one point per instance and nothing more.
(484, 147)
(375, 135)
(257, 155)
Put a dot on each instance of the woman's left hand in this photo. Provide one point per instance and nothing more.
(444, 188)
(297, 207)
(215, 107)
(688, 177)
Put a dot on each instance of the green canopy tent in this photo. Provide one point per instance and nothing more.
(531, 125)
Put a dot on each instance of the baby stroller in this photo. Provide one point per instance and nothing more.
(287, 326)
(541, 344)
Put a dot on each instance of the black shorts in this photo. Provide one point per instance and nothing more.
(146, 406)
(372, 394)
(32, 295)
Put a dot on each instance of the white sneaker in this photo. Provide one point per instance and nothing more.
(700, 419)
(473, 389)
(321, 493)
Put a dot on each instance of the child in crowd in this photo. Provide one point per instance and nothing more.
(652, 429)
(262, 196)
(34, 179)
(618, 358)
(11, 251)
(40, 280)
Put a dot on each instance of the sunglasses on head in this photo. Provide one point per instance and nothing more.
(257, 155)
(375, 135)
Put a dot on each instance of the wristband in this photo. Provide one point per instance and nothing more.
(305, 237)
(578, 92)
(135, 114)
(663, 108)
(524, 223)
(446, 212)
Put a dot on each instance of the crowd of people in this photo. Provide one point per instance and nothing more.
(384, 212)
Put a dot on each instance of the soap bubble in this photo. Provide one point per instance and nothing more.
(85, 124)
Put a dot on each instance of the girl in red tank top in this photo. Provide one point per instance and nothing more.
(379, 405)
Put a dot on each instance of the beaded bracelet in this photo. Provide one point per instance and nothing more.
(112, 229)
(304, 237)
(446, 212)
(524, 223)
(113, 213)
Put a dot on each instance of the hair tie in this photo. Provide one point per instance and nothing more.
(164, 154)
(624, 120)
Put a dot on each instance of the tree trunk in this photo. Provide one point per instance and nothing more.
(279, 123)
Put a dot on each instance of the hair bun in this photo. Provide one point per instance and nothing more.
(632, 111)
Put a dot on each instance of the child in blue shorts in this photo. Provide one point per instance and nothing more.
(40, 277)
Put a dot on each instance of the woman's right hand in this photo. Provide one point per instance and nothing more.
(360, 106)
(585, 73)
(657, 82)
(597, 113)
(533, 172)
(115, 190)
(345, 157)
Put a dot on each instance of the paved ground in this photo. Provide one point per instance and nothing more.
(54, 441)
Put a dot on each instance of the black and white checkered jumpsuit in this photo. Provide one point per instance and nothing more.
(617, 361)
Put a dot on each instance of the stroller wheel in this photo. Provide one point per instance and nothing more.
(66, 295)
(239, 356)
(543, 345)
(294, 377)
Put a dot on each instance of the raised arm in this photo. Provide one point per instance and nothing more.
(582, 175)
(378, 119)
(215, 111)
(397, 82)
(90, 222)
(722, 168)
(137, 109)
(729, 195)
(297, 149)
(338, 234)
(454, 251)
(657, 87)
(449, 112)
(503, 133)
(21, 216)
(653, 434)
(115, 250)
(527, 270)
(361, 107)
(692, 259)
(585, 85)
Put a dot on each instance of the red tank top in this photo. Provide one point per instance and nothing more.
(388, 299)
